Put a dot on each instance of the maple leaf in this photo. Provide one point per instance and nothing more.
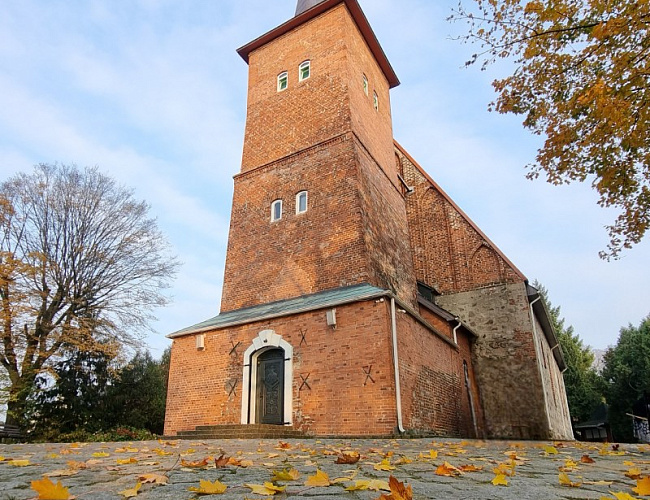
(283, 446)
(447, 469)
(369, 484)
(586, 459)
(266, 489)
(125, 461)
(642, 487)
(160, 452)
(196, 463)
(403, 460)
(397, 491)
(19, 463)
(285, 475)
(221, 462)
(153, 478)
(208, 488)
(622, 496)
(352, 475)
(348, 457)
(500, 480)
(565, 481)
(550, 450)
(384, 465)
(470, 468)
(47, 490)
(101, 454)
(318, 479)
(633, 473)
(132, 492)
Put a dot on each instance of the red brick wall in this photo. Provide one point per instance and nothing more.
(449, 253)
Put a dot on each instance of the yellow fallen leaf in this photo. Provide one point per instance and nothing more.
(565, 481)
(101, 454)
(208, 488)
(160, 452)
(353, 474)
(447, 469)
(550, 450)
(384, 465)
(397, 491)
(285, 475)
(47, 490)
(642, 487)
(153, 478)
(369, 484)
(318, 479)
(403, 460)
(586, 459)
(61, 473)
(132, 492)
(500, 480)
(124, 461)
(266, 489)
(633, 473)
(624, 496)
(599, 483)
(19, 463)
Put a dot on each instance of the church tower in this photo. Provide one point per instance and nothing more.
(318, 203)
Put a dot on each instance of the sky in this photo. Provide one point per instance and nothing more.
(154, 94)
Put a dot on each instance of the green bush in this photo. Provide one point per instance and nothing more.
(116, 434)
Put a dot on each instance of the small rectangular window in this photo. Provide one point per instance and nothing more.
(301, 202)
(276, 210)
(375, 101)
(283, 81)
(365, 84)
(304, 70)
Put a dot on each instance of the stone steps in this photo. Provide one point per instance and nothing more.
(253, 431)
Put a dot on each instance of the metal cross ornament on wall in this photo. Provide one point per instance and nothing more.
(368, 370)
(304, 382)
(303, 339)
(234, 348)
(233, 385)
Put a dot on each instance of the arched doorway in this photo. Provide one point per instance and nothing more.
(267, 396)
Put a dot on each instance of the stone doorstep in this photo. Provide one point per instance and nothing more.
(233, 431)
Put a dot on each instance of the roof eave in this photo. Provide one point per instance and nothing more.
(359, 18)
(542, 314)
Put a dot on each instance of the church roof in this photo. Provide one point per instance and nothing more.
(309, 9)
(304, 303)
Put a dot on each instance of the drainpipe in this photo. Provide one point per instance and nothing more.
(456, 329)
(565, 367)
(398, 391)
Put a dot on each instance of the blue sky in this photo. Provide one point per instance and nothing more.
(153, 92)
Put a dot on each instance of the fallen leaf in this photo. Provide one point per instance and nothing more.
(384, 465)
(76, 465)
(642, 487)
(267, 489)
(500, 480)
(397, 491)
(348, 457)
(196, 463)
(19, 463)
(153, 478)
(125, 461)
(133, 492)
(221, 462)
(318, 479)
(208, 488)
(624, 496)
(586, 459)
(470, 468)
(633, 473)
(283, 446)
(47, 490)
(353, 474)
(101, 454)
(550, 450)
(403, 460)
(285, 475)
(61, 473)
(565, 481)
(369, 484)
(447, 469)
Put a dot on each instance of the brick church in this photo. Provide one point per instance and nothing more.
(358, 298)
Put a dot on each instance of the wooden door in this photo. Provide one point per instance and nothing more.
(270, 387)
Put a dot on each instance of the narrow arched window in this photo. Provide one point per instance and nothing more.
(283, 81)
(276, 210)
(301, 202)
(375, 101)
(304, 70)
(365, 84)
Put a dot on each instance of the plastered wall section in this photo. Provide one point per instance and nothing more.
(505, 360)
(338, 399)
(554, 389)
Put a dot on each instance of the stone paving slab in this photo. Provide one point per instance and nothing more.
(96, 474)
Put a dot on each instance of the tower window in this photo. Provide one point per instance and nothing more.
(365, 84)
(304, 70)
(276, 210)
(375, 101)
(283, 81)
(301, 202)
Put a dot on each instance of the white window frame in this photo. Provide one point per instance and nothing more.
(365, 84)
(273, 210)
(301, 67)
(375, 101)
(283, 77)
(298, 196)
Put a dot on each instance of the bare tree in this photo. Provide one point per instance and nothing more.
(82, 266)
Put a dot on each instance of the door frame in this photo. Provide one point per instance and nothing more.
(266, 339)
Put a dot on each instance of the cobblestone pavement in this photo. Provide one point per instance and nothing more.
(102, 470)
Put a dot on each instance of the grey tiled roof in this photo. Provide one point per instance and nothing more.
(304, 303)
(304, 5)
